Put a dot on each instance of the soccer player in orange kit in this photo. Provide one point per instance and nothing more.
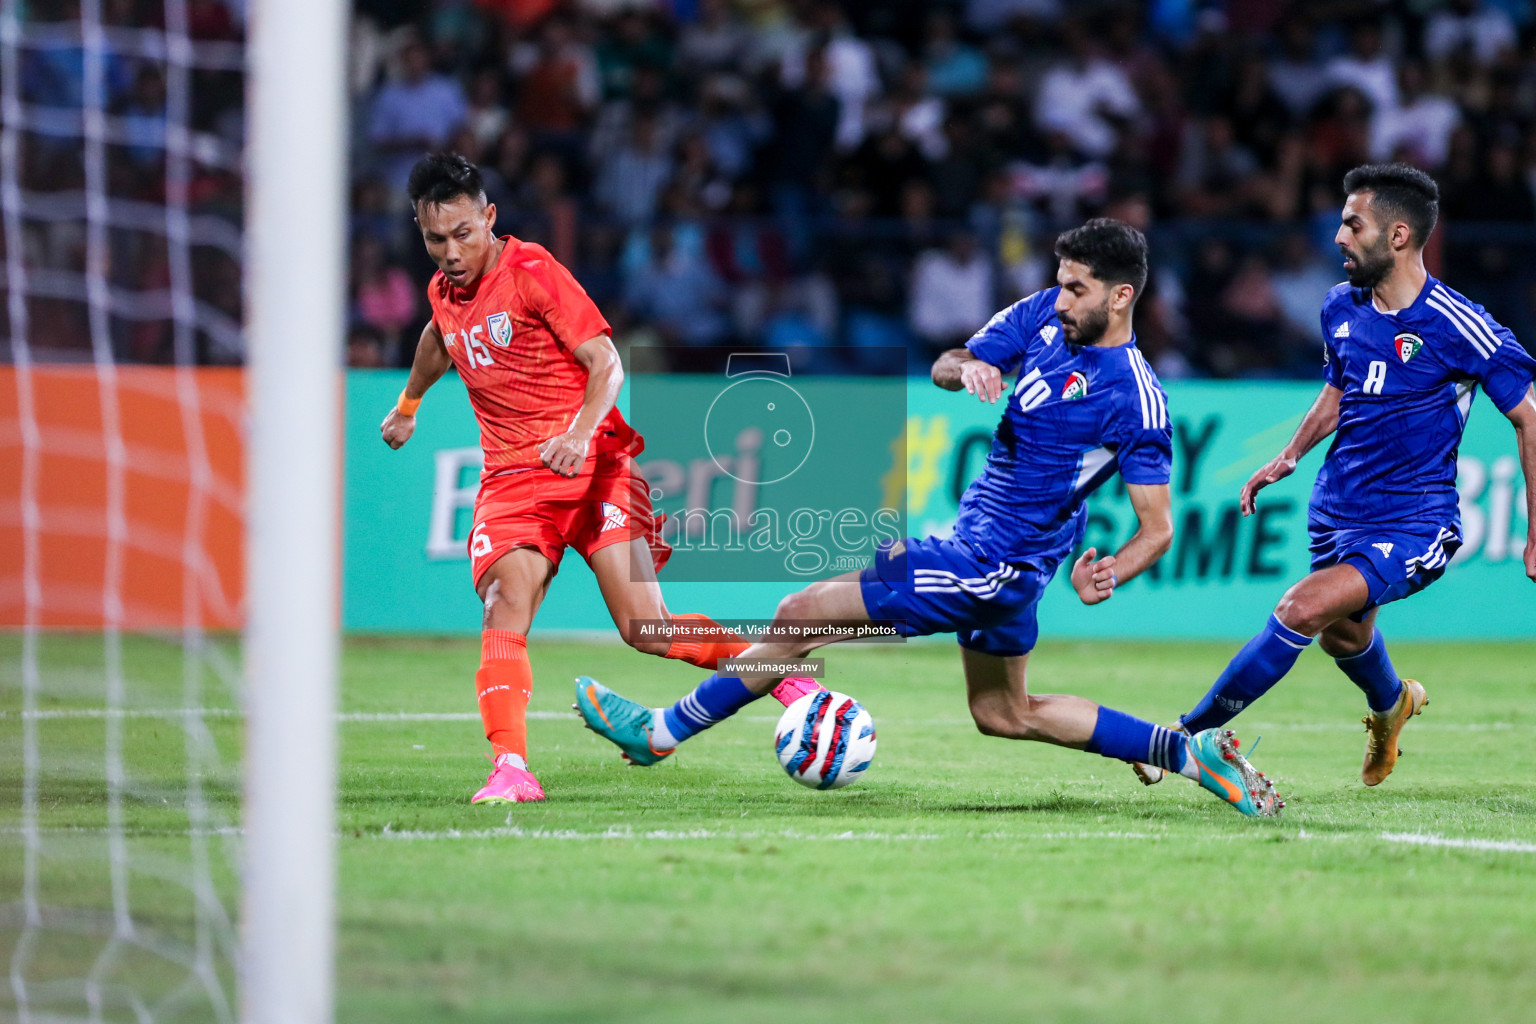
(538, 361)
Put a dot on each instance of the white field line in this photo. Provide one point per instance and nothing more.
(626, 833)
(1493, 845)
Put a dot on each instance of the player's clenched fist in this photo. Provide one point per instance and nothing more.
(1273, 471)
(1093, 580)
(983, 380)
(397, 428)
(565, 453)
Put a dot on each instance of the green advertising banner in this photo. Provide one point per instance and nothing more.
(408, 512)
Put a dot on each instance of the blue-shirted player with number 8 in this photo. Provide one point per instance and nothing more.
(1084, 406)
(1404, 357)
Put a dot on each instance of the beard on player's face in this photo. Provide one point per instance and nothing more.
(1088, 328)
(1369, 265)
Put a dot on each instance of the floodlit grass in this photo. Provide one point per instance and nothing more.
(963, 879)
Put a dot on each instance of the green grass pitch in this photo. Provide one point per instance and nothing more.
(963, 879)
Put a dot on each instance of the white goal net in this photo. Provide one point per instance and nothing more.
(135, 452)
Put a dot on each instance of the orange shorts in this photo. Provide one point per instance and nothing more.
(608, 502)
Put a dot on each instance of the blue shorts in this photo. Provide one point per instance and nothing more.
(1396, 559)
(940, 585)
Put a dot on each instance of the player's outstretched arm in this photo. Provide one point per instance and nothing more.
(566, 452)
(1320, 421)
(431, 362)
(958, 369)
(1523, 416)
(1095, 579)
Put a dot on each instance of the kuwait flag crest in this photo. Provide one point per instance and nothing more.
(1408, 346)
(1076, 386)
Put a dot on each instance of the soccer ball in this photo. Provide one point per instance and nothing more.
(825, 740)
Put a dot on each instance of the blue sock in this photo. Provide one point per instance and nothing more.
(1372, 671)
(1248, 676)
(715, 699)
(1126, 737)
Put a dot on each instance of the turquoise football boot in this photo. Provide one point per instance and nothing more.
(1227, 773)
(620, 720)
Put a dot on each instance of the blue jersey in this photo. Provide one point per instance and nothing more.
(1076, 415)
(1408, 379)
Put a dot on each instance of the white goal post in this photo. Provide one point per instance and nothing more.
(296, 167)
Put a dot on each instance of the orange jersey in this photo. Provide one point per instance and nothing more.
(512, 337)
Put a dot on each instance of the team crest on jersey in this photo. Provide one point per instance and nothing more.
(1076, 386)
(1408, 345)
(500, 327)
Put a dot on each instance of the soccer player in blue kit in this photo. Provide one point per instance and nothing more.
(1085, 405)
(1404, 355)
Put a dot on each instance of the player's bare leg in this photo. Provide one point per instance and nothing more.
(512, 590)
(626, 575)
(1001, 704)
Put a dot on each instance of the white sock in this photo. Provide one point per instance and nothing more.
(512, 759)
(661, 736)
(1190, 769)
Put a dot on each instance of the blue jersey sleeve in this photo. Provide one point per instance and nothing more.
(1484, 349)
(1007, 336)
(1333, 370)
(1142, 434)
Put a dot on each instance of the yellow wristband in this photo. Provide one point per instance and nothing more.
(407, 406)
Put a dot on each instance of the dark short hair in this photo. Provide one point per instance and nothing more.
(443, 177)
(1113, 251)
(1399, 192)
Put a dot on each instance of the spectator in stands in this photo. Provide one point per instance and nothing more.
(1301, 281)
(1419, 128)
(415, 112)
(732, 125)
(1499, 193)
(629, 181)
(1084, 96)
(558, 88)
(952, 293)
(805, 118)
(383, 296)
(646, 97)
(678, 294)
(955, 68)
(1366, 67)
(487, 116)
(715, 41)
(1487, 32)
(632, 43)
(1216, 170)
(851, 75)
(1295, 74)
(365, 349)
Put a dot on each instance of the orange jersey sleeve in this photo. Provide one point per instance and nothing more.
(554, 296)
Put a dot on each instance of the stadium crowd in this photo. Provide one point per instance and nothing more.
(876, 174)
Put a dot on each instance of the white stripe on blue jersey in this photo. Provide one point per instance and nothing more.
(1466, 321)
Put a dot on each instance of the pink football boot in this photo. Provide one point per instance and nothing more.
(791, 690)
(509, 784)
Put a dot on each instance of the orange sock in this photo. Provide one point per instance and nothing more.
(707, 643)
(505, 682)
